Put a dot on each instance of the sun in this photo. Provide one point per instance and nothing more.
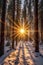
(22, 31)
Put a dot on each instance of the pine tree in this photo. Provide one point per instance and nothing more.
(2, 27)
(18, 14)
(36, 37)
(13, 23)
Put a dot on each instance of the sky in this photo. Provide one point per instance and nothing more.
(22, 3)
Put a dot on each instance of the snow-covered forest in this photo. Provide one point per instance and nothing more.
(21, 32)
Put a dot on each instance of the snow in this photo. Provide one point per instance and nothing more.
(37, 57)
(4, 56)
(7, 51)
(41, 48)
(23, 55)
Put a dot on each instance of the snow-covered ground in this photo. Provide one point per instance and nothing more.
(7, 51)
(19, 57)
(41, 49)
(37, 57)
(24, 55)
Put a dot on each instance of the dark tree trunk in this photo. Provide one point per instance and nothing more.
(36, 27)
(25, 17)
(13, 23)
(2, 28)
(41, 17)
(17, 16)
(30, 18)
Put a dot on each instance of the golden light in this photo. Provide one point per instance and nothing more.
(22, 31)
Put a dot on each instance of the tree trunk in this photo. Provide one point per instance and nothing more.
(2, 28)
(36, 27)
(30, 17)
(13, 23)
(18, 16)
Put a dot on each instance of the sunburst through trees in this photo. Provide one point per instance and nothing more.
(20, 30)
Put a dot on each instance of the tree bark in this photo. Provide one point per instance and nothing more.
(13, 23)
(36, 27)
(2, 28)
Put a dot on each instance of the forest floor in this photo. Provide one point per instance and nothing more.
(24, 55)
